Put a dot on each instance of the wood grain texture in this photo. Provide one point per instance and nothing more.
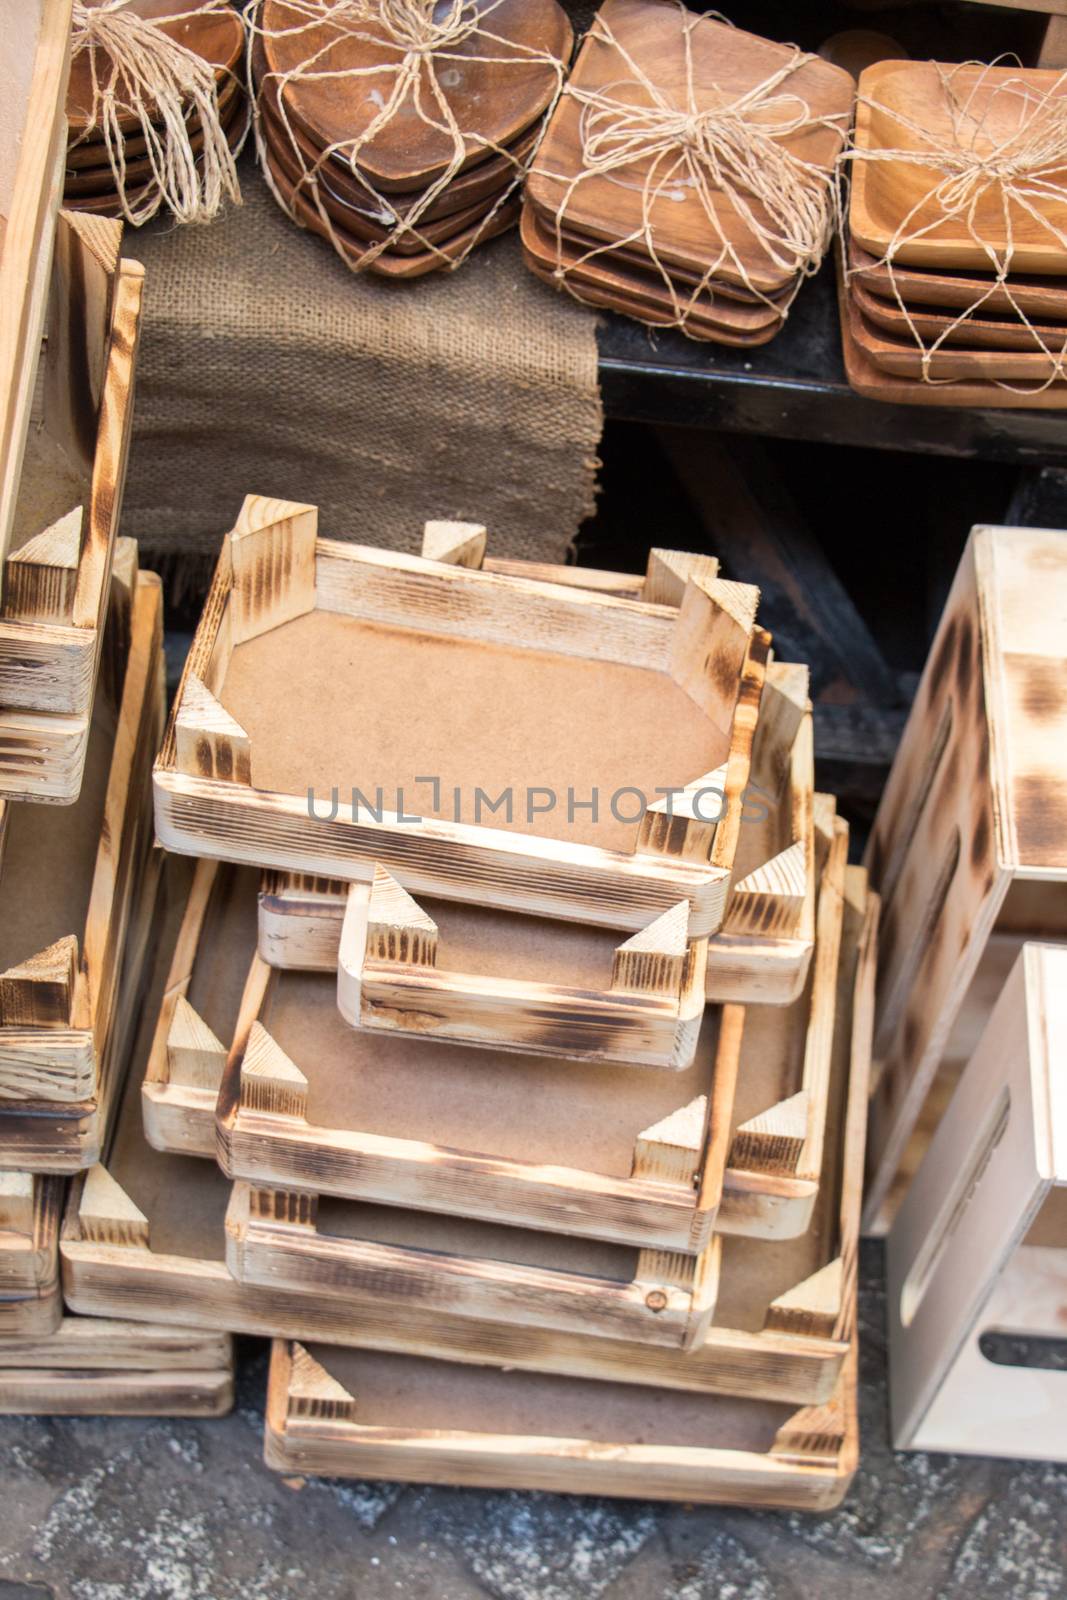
(272, 552)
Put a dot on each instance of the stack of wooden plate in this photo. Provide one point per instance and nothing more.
(377, 193)
(926, 318)
(698, 263)
(90, 182)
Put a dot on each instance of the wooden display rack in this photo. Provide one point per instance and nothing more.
(977, 1256)
(33, 147)
(65, 521)
(30, 1208)
(779, 1055)
(472, 672)
(148, 1232)
(90, 1367)
(968, 849)
(369, 1415)
(60, 993)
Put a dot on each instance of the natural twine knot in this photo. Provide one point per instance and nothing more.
(414, 27)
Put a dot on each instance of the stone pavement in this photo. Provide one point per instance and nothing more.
(124, 1510)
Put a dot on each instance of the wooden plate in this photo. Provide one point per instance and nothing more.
(388, 265)
(902, 358)
(616, 282)
(979, 333)
(106, 203)
(884, 193)
(498, 99)
(356, 222)
(640, 259)
(727, 62)
(869, 381)
(218, 36)
(481, 182)
(92, 153)
(1037, 296)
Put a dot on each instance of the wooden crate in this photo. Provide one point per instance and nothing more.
(30, 1210)
(56, 579)
(969, 848)
(772, 1129)
(71, 884)
(513, 686)
(90, 1367)
(33, 147)
(370, 1415)
(485, 976)
(143, 1238)
(977, 1256)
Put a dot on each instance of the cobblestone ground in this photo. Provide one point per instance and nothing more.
(98, 1510)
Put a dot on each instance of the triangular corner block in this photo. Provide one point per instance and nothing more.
(195, 1057)
(209, 743)
(740, 601)
(42, 575)
(312, 1391)
(260, 511)
(272, 560)
(457, 544)
(670, 1149)
(39, 992)
(398, 929)
(813, 1435)
(812, 1306)
(653, 960)
(773, 1140)
(107, 1215)
(669, 571)
(770, 900)
(270, 1082)
(683, 825)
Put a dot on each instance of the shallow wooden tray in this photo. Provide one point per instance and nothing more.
(89, 172)
(726, 61)
(92, 1367)
(398, 1417)
(868, 380)
(885, 193)
(979, 333)
(290, 617)
(619, 285)
(967, 844)
(79, 869)
(30, 1210)
(217, 36)
(56, 579)
(496, 99)
(900, 356)
(1038, 297)
(765, 1319)
(33, 137)
(976, 1258)
(763, 949)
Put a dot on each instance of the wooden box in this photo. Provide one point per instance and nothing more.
(483, 976)
(56, 575)
(70, 885)
(370, 1415)
(90, 1367)
(445, 693)
(30, 1209)
(977, 1256)
(33, 148)
(770, 1127)
(969, 848)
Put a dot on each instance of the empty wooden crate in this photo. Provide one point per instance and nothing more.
(977, 1256)
(92, 1367)
(65, 519)
(488, 739)
(30, 1210)
(70, 884)
(969, 848)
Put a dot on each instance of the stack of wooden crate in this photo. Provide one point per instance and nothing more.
(437, 1099)
(81, 711)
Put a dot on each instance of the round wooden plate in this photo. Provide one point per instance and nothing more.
(356, 222)
(480, 182)
(218, 36)
(498, 99)
(387, 265)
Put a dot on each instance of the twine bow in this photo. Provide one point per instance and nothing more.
(157, 79)
(732, 156)
(421, 45)
(1023, 171)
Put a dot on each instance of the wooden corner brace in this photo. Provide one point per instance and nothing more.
(107, 1215)
(314, 1394)
(683, 825)
(710, 643)
(270, 1082)
(653, 961)
(669, 1151)
(770, 901)
(195, 1057)
(812, 1307)
(208, 742)
(40, 992)
(457, 544)
(772, 1142)
(272, 557)
(42, 575)
(669, 571)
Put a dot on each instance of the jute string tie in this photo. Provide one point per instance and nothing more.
(163, 84)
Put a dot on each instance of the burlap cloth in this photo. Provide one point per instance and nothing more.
(267, 367)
